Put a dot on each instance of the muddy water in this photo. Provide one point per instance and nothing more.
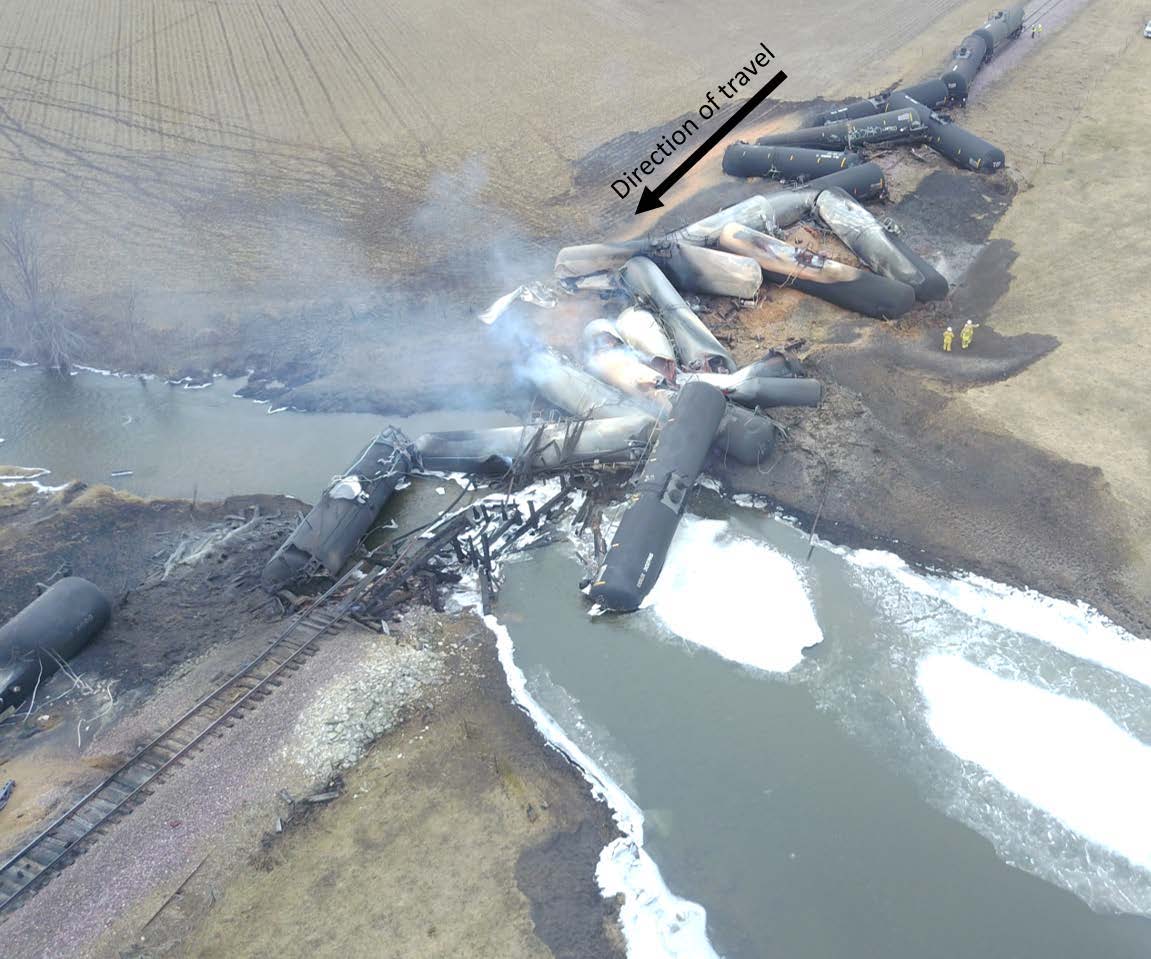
(835, 755)
(180, 442)
(812, 810)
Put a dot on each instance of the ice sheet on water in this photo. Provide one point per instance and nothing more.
(739, 597)
(1074, 628)
(1063, 755)
(1041, 710)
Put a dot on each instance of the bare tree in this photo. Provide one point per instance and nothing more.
(28, 303)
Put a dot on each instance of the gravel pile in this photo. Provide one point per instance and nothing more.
(358, 706)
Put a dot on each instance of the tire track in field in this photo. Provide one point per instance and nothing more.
(118, 82)
(316, 75)
(414, 96)
(155, 38)
(925, 15)
(287, 71)
(231, 60)
(372, 80)
(205, 70)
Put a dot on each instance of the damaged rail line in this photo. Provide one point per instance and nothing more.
(476, 536)
(73, 832)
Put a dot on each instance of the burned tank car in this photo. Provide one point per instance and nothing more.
(348, 508)
(50, 630)
(965, 63)
(1000, 28)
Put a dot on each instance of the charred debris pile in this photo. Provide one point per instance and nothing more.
(653, 396)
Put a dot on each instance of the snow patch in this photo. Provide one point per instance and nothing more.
(1074, 628)
(1063, 755)
(737, 596)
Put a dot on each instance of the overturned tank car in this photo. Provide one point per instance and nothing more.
(784, 163)
(896, 125)
(539, 447)
(638, 550)
(348, 508)
(47, 632)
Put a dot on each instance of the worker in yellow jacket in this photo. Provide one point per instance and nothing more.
(948, 336)
(967, 333)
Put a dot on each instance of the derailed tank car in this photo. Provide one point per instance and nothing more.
(904, 125)
(638, 550)
(51, 629)
(960, 146)
(931, 93)
(853, 289)
(348, 508)
(784, 163)
(965, 63)
(1000, 28)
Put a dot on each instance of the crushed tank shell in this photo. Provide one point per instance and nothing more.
(699, 269)
(639, 547)
(764, 392)
(589, 258)
(904, 124)
(642, 332)
(875, 247)
(836, 282)
(601, 334)
(784, 163)
(694, 342)
(744, 437)
(542, 446)
(771, 381)
(60, 622)
(759, 211)
(574, 390)
(624, 370)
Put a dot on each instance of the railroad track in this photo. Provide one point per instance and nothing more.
(75, 830)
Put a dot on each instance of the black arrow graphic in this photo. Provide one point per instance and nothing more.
(650, 199)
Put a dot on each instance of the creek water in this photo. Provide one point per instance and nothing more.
(836, 755)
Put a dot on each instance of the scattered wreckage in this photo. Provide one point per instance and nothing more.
(655, 394)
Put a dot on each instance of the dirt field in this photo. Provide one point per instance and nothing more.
(1083, 248)
(299, 147)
